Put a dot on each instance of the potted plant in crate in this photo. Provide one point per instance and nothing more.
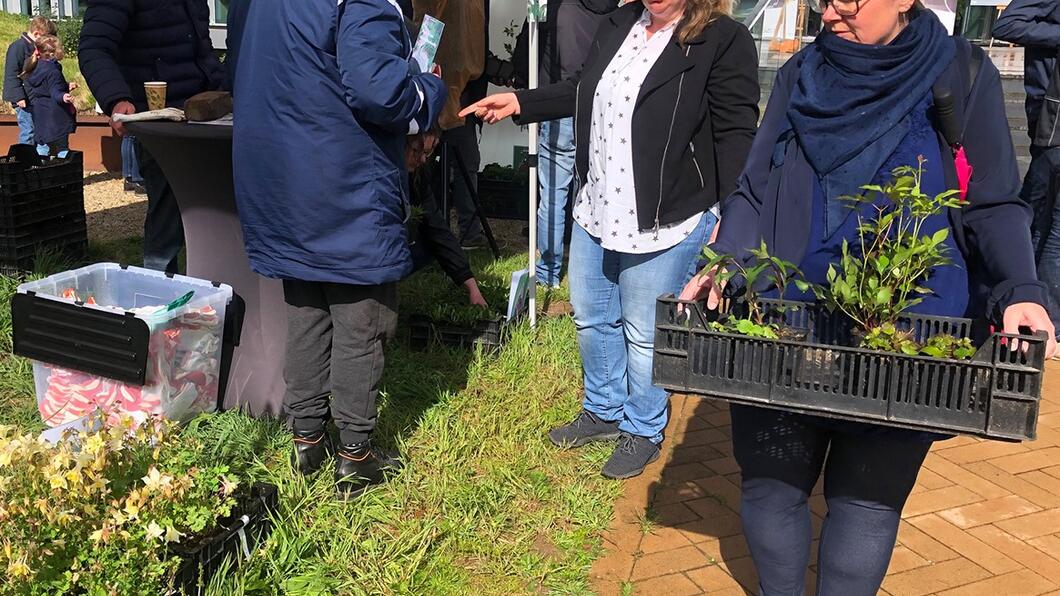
(883, 279)
(750, 315)
(858, 352)
(874, 283)
(105, 512)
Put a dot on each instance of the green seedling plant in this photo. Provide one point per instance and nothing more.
(884, 278)
(761, 269)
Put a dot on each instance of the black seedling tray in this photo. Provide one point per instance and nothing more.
(424, 331)
(504, 199)
(249, 525)
(994, 395)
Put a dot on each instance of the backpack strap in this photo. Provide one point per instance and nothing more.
(953, 90)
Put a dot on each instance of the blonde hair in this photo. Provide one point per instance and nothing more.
(49, 47)
(699, 14)
(42, 26)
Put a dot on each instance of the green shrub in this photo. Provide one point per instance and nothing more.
(70, 34)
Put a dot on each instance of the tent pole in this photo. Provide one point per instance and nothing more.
(532, 160)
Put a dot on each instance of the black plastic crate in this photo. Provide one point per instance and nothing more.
(249, 525)
(994, 395)
(504, 199)
(73, 252)
(40, 207)
(16, 177)
(55, 227)
(424, 331)
(49, 239)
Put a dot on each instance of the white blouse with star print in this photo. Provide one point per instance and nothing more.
(606, 206)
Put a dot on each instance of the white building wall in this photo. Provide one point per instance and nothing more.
(59, 8)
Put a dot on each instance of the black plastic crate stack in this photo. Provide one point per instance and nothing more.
(995, 395)
(424, 331)
(42, 210)
(250, 525)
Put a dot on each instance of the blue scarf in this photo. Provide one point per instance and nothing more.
(851, 106)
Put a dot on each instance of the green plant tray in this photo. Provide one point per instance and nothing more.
(995, 394)
(248, 526)
(490, 333)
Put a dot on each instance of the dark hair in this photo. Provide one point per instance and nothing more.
(49, 48)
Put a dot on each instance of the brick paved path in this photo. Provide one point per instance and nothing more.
(984, 518)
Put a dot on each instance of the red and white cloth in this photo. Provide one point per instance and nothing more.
(181, 378)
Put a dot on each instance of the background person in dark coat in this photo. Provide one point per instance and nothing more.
(325, 97)
(125, 43)
(1035, 25)
(14, 92)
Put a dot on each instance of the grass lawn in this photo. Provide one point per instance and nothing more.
(13, 25)
(485, 504)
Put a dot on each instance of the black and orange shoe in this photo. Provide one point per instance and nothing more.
(359, 466)
(311, 450)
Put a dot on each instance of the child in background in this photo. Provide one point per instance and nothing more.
(14, 92)
(54, 115)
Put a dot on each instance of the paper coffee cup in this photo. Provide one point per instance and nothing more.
(156, 94)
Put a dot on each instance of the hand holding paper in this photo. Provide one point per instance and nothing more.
(426, 47)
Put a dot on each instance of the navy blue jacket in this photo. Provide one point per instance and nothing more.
(774, 193)
(1034, 24)
(17, 53)
(125, 43)
(324, 95)
(53, 118)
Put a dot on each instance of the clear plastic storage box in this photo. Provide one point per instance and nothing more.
(184, 320)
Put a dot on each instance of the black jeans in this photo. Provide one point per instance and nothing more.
(1040, 192)
(335, 339)
(163, 228)
(869, 472)
(464, 139)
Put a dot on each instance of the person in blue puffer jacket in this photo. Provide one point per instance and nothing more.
(325, 94)
(844, 112)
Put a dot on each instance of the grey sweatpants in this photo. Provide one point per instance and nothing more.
(335, 338)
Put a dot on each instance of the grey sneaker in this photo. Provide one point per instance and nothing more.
(586, 428)
(630, 457)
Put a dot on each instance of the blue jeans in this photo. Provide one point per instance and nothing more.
(130, 163)
(1041, 194)
(25, 130)
(555, 175)
(613, 295)
(868, 475)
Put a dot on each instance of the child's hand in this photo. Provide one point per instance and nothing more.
(73, 86)
(68, 98)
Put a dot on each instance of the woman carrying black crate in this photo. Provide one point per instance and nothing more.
(844, 112)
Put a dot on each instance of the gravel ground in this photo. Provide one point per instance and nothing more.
(113, 214)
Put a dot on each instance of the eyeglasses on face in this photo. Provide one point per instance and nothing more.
(844, 8)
